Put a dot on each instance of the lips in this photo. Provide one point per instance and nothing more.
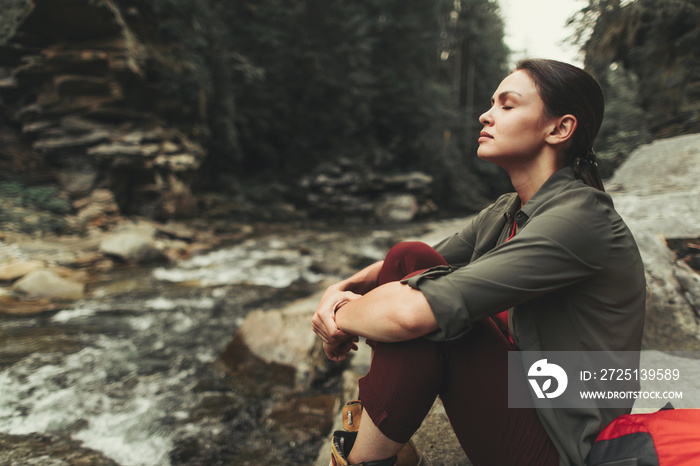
(484, 134)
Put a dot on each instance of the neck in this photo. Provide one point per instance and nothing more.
(528, 179)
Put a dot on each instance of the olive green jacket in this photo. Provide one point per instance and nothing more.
(572, 278)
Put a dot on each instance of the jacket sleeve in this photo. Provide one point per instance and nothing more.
(552, 251)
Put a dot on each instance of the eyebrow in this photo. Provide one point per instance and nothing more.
(504, 94)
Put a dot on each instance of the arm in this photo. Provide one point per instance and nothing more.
(554, 251)
(459, 247)
(339, 294)
(389, 313)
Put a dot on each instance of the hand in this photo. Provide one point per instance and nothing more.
(339, 351)
(323, 321)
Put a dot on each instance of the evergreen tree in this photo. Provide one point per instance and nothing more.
(646, 54)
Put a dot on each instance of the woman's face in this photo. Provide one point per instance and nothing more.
(515, 127)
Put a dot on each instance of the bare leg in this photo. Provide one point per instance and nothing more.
(371, 444)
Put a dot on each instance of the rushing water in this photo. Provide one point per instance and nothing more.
(131, 371)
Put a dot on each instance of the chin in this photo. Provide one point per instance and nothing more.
(485, 156)
(494, 159)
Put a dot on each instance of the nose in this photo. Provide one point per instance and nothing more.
(485, 118)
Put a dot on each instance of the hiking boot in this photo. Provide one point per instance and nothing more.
(407, 456)
(340, 449)
(352, 413)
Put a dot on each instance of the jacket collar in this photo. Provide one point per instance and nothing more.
(558, 181)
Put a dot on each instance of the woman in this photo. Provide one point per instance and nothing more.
(554, 253)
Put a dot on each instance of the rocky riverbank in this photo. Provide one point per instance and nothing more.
(49, 273)
(139, 356)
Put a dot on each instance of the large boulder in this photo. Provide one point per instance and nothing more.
(657, 192)
(45, 284)
(132, 246)
(13, 270)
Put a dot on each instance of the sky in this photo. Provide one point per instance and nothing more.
(535, 28)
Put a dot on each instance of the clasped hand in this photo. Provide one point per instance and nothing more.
(336, 343)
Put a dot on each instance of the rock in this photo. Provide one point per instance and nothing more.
(46, 284)
(14, 12)
(252, 375)
(20, 268)
(671, 322)
(131, 246)
(77, 182)
(344, 190)
(13, 307)
(175, 202)
(657, 188)
(116, 148)
(177, 231)
(52, 144)
(303, 418)
(397, 208)
(282, 336)
(437, 441)
(48, 450)
(78, 84)
(22, 343)
(86, 259)
(99, 209)
(656, 191)
(689, 281)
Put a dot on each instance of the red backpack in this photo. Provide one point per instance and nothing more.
(669, 437)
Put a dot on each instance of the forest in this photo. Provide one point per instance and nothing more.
(182, 108)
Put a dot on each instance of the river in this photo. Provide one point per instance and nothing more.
(134, 370)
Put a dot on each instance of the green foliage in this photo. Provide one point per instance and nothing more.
(42, 197)
(474, 65)
(31, 209)
(656, 45)
(624, 127)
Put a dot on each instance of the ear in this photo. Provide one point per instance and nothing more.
(562, 129)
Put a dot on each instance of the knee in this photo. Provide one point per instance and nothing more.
(407, 249)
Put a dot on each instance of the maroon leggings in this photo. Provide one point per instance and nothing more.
(469, 374)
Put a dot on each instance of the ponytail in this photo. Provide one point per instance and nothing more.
(586, 170)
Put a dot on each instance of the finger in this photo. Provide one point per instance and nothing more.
(335, 356)
(322, 335)
(321, 332)
(325, 327)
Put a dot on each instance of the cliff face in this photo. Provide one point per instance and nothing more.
(78, 99)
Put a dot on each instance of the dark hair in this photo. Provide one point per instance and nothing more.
(567, 89)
